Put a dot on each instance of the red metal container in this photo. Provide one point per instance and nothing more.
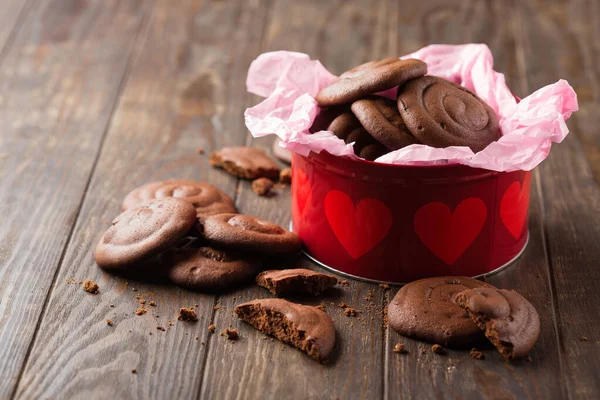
(395, 224)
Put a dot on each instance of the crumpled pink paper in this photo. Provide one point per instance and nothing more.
(290, 80)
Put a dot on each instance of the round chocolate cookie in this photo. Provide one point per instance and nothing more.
(380, 117)
(348, 128)
(207, 199)
(282, 154)
(370, 78)
(243, 232)
(509, 321)
(144, 231)
(305, 327)
(326, 116)
(425, 309)
(440, 113)
(209, 269)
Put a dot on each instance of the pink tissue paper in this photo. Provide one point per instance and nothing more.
(290, 81)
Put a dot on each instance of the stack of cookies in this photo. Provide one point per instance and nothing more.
(193, 231)
(428, 110)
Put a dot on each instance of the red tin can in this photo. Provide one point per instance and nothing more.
(395, 224)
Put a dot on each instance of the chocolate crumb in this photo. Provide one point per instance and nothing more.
(211, 328)
(476, 354)
(134, 371)
(91, 286)
(342, 305)
(152, 303)
(369, 296)
(199, 150)
(232, 334)
(422, 351)
(196, 338)
(262, 186)
(187, 315)
(351, 312)
(285, 176)
(202, 342)
(111, 305)
(142, 301)
(216, 307)
(384, 286)
(399, 348)
(170, 323)
(109, 322)
(160, 328)
(141, 311)
(437, 349)
(344, 283)
(584, 339)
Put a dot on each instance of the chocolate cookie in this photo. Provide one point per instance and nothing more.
(509, 321)
(370, 78)
(305, 327)
(245, 162)
(440, 113)
(282, 154)
(348, 128)
(207, 199)
(145, 231)
(243, 232)
(380, 117)
(209, 269)
(326, 116)
(425, 309)
(299, 280)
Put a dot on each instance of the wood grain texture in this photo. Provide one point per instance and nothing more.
(256, 368)
(183, 92)
(420, 373)
(56, 97)
(551, 45)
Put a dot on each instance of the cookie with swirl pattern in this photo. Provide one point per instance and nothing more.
(370, 78)
(508, 319)
(440, 113)
(206, 198)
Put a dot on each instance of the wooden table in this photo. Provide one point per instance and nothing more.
(99, 96)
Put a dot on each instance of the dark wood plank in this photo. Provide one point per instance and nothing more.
(59, 82)
(456, 375)
(186, 90)
(557, 43)
(341, 35)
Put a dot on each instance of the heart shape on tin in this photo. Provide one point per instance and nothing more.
(513, 206)
(359, 229)
(449, 234)
(303, 191)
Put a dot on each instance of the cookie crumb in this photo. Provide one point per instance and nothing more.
(399, 348)
(351, 312)
(160, 328)
(476, 354)
(369, 296)
(109, 322)
(342, 305)
(134, 371)
(91, 286)
(142, 301)
(344, 283)
(196, 338)
(584, 339)
(170, 323)
(199, 150)
(384, 286)
(216, 307)
(187, 315)
(285, 176)
(262, 186)
(321, 306)
(111, 305)
(232, 334)
(141, 311)
(437, 349)
(211, 328)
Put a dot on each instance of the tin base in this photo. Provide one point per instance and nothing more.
(358, 278)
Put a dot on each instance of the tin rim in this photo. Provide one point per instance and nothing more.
(374, 281)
